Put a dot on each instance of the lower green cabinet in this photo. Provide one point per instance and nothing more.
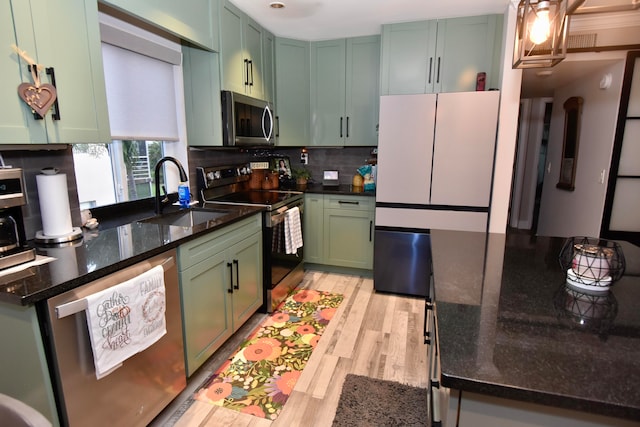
(338, 230)
(220, 286)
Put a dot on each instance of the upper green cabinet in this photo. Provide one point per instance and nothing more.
(441, 55)
(269, 65)
(241, 52)
(195, 21)
(64, 37)
(344, 91)
(292, 92)
(203, 113)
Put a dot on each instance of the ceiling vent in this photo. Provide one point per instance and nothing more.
(581, 41)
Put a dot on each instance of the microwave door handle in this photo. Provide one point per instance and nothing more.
(264, 131)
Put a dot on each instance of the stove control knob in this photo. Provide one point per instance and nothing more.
(217, 175)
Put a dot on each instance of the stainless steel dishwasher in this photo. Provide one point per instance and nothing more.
(137, 391)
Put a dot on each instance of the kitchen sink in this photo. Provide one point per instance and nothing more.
(187, 218)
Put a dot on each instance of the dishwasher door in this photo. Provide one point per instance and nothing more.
(143, 385)
(402, 261)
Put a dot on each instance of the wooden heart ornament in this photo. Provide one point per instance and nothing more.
(40, 99)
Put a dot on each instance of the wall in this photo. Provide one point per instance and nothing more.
(507, 128)
(31, 161)
(579, 212)
(345, 160)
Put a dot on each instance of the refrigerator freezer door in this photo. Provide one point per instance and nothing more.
(402, 262)
(405, 147)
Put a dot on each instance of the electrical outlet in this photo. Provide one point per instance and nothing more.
(304, 158)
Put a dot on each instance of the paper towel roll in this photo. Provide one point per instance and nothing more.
(54, 204)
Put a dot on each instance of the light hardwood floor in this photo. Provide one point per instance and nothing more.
(372, 334)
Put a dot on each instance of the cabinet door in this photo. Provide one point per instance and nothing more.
(196, 22)
(466, 47)
(68, 39)
(17, 125)
(206, 309)
(246, 260)
(348, 238)
(202, 96)
(253, 51)
(292, 92)
(268, 66)
(408, 58)
(362, 87)
(464, 148)
(328, 86)
(313, 228)
(65, 37)
(233, 67)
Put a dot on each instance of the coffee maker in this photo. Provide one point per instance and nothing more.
(13, 249)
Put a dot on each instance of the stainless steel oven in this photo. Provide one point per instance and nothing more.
(282, 269)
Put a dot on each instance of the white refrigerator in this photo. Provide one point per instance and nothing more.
(435, 169)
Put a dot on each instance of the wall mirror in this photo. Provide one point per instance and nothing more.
(571, 139)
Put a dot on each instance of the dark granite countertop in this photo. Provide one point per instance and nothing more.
(343, 189)
(102, 252)
(501, 334)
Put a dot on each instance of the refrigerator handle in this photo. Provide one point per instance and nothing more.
(370, 230)
(438, 72)
(340, 127)
(430, 67)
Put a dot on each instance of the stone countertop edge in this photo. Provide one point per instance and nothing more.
(37, 284)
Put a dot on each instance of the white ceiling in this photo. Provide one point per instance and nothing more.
(329, 19)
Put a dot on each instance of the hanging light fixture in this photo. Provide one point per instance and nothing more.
(541, 33)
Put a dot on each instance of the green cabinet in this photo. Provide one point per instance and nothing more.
(344, 91)
(440, 55)
(62, 36)
(241, 52)
(195, 21)
(201, 97)
(313, 220)
(338, 230)
(292, 92)
(220, 286)
(269, 65)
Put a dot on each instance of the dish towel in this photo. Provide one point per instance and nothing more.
(292, 230)
(125, 319)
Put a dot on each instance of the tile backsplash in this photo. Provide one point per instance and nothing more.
(344, 159)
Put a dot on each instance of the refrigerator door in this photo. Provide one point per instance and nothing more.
(405, 148)
(402, 262)
(464, 146)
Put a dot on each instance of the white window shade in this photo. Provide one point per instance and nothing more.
(140, 96)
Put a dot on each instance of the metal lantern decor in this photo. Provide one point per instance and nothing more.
(541, 33)
(592, 264)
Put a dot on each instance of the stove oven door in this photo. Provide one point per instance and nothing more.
(283, 264)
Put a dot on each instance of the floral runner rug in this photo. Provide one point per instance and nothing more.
(260, 376)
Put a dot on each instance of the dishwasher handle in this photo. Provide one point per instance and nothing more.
(76, 306)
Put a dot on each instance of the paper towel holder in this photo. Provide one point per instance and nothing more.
(75, 234)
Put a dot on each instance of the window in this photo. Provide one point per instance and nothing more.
(143, 78)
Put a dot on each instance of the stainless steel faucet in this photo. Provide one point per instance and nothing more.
(183, 177)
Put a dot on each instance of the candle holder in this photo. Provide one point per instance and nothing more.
(592, 264)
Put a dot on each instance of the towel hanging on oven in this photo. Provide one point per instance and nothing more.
(292, 230)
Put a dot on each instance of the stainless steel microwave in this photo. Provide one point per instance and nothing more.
(246, 121)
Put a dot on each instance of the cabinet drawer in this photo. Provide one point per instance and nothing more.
(210, 244)
(361, 203)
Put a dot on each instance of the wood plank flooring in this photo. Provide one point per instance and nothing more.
(372, 334)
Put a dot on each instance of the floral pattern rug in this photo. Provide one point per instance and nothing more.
(259, 378)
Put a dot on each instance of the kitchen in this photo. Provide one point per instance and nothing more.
(347, 159)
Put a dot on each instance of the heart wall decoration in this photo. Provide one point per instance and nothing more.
(39, 98)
